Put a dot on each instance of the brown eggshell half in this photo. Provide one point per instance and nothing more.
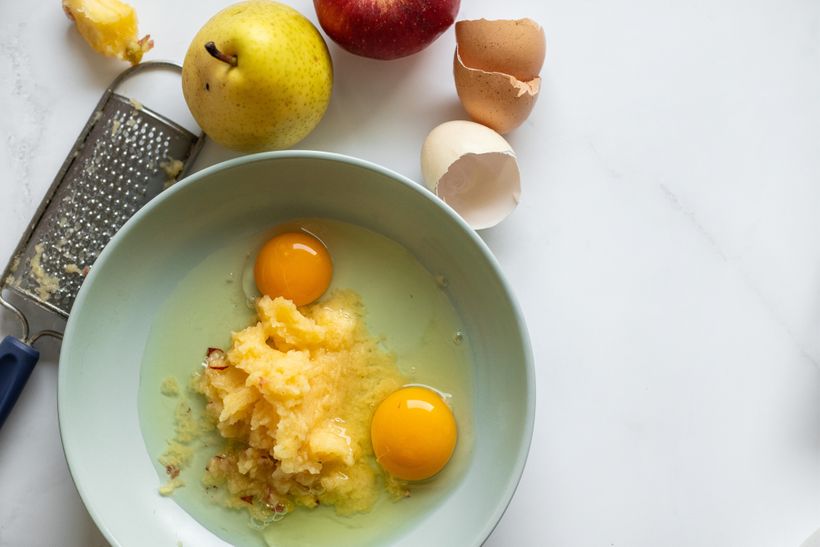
(500, 101)
(515, 47)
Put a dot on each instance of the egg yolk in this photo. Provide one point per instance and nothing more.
(413, 433)
(294, 265)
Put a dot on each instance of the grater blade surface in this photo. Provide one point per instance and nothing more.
(129, 155)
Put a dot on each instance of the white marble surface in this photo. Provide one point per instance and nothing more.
(666, 254)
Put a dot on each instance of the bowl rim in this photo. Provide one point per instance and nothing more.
(529, 368)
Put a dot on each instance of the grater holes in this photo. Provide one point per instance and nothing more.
(113, 177)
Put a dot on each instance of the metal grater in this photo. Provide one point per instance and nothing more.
(125, 155)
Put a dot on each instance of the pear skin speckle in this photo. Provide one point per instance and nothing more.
(280, 87)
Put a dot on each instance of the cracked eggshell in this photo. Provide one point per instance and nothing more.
(472, 169)
(515, 47)
(496, 67)
(495, 99)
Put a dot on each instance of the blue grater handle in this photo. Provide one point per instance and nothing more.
(17, 360)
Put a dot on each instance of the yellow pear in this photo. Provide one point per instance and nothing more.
(257, 76)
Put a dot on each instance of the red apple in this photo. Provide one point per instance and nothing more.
(385, 29)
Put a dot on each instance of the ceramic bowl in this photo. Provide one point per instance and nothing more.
(106, 336)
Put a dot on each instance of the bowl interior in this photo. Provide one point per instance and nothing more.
(110, 323)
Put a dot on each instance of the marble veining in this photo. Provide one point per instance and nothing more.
(25, 113)
(675, 202)
(666, 254)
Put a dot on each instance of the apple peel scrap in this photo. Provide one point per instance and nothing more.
(496, 68)
(109, 27)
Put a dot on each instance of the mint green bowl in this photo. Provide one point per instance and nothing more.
(106, 336)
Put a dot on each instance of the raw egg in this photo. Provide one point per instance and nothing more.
(295, 265)
(413, 433)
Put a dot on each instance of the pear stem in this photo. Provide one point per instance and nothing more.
(210, 47)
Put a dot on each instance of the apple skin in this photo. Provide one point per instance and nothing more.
(385, 29)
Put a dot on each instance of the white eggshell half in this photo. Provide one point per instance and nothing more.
(472, 169)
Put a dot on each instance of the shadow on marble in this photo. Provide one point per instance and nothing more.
(98, 70)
